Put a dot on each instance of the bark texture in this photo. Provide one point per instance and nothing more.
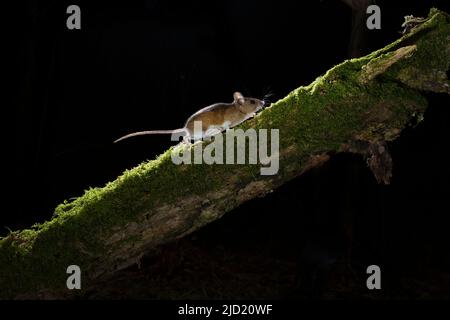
(357, 106)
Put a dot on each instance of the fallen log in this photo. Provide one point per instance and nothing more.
(357, 106)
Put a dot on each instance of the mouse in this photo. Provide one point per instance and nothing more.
(214, 119)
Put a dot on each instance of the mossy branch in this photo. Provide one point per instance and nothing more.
(355, 107)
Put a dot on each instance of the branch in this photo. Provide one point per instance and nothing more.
(356, 106)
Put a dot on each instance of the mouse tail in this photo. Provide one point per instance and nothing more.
(143, 133)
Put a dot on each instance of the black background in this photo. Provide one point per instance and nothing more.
(142, 65)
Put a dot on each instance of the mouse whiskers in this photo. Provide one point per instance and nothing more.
(267, 97)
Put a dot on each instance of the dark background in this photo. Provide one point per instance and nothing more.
(142, 65)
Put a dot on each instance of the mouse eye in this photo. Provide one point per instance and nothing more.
(252, 101)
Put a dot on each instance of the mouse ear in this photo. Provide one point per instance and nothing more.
(238, 97)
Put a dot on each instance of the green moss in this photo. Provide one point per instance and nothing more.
(335, 108)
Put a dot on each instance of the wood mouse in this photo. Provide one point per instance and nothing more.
(214, 118)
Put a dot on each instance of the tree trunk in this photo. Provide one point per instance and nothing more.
(355, 107)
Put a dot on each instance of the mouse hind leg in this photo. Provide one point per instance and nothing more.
(213, 131)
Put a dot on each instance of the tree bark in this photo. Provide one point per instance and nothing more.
(356, 106)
